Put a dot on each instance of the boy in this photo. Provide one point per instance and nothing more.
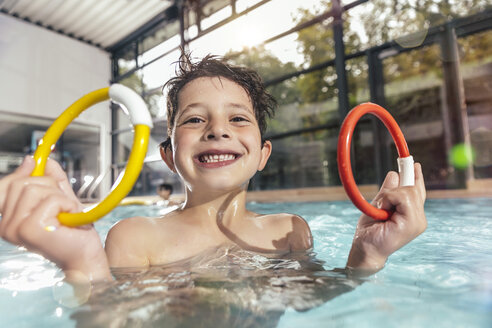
(164, 190)
(216, 122)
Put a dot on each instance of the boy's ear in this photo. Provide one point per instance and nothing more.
(167, 156)
(266, 150)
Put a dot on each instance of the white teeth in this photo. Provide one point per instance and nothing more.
(216, 158)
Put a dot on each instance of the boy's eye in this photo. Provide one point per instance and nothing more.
(193, 120)
(239, 119)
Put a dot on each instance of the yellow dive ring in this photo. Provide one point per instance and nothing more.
(142, 122)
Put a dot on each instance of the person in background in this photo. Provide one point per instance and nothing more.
(164, 190)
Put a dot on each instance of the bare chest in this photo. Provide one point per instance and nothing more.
(187, 241)
(184, 244)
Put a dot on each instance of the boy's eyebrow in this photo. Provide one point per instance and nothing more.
(240, 106)
(190, 106)
(232, 105)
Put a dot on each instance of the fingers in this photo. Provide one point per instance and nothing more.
(44, 217)
(419, 181)
(390, 182)
(398, 199)
(54, 170)
(36, 209)
(18, 187)
(23, 209)
(26, 167)
(406, 202)
(24, 170)
(23, 196)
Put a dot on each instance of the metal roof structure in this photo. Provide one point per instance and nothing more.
(101, 23)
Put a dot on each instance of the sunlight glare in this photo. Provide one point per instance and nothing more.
(249, 36)
(28, 274)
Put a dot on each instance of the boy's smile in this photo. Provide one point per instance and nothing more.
(216, 158)
(216, 141)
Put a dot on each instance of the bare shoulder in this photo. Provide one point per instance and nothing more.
(125, 243)
(129, 228)
(299, 235)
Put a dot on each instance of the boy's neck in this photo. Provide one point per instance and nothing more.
(224, 207)
(216, 200)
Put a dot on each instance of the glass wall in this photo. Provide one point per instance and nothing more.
(144, 65)
(308, 159)
(476, 70)
(414, 96)
(427, 62)
(78, 149)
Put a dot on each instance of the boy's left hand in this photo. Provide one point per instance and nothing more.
(375, 240)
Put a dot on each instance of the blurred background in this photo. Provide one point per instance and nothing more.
(429, 62)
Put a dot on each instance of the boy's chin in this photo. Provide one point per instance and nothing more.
(221, 186)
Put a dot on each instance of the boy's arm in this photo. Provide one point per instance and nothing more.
(375, 240)
(30, 206)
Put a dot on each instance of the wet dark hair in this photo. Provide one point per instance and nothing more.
(211, 66)
(166, 186)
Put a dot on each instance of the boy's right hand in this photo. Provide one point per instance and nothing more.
(30, 206)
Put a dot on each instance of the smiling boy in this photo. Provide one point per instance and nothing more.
(216, 123)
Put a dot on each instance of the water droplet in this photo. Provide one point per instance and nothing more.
(409, 29)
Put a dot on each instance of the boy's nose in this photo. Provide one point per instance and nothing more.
(217, 135)
(217, 131)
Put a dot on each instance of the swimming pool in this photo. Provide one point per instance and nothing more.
(441, 279)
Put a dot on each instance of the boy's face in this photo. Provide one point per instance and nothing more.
(216, 141)
(164, 193)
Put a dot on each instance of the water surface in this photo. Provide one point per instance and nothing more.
(442, 279)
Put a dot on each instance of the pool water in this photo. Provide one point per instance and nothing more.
(441, 279)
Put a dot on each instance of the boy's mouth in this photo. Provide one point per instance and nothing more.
(217, 157)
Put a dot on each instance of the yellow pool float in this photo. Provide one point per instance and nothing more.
(142, 122)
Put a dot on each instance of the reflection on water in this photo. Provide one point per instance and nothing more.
(226, 287)
(24, 271)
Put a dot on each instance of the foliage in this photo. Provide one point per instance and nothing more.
(286, 92)
(385, 20)
(269, 67)
(317, 45)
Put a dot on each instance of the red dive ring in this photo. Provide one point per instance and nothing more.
(405, 162)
